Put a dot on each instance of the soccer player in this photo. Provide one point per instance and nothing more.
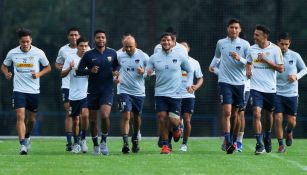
(73, 34)
(232, 52)
(264, 59)
(77, 95)
(188, 99)
(101, 65)
(287, 90)
(26, 60)
(167, 65)
(131, 90)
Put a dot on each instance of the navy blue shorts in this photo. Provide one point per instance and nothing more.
(130, 103)
(263, 100)
(96, 100)
(65, 95)
(25, 100)
(168, 104)
(77, 106)
(187, 105)
(232, 94)
(286, 105)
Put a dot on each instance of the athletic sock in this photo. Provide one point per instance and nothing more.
(95, 141)
(68, 137)
(240, 137)
(83, 134)
(280, 142)
(27, 135)
(22, 142)
(125, 138)
(184, 141)
(259, 138)
(227, 138)
(76, 139)
(104, 137)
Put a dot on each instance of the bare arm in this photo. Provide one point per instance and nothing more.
(44, 71)
(6, 72)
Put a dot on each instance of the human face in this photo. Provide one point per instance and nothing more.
(234, 30)
(186, 46)
(100, 40)
(284, 45)
(129, 46)
(82, 48)
(167, 43)
(25, 43)
(73, 36)
(260, 37)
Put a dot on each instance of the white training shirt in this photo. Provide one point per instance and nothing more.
(263, 77)
(62, 56)
(78, 84)
(24, 64)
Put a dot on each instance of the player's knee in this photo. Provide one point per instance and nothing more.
(173, 116)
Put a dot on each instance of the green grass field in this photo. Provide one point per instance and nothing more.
(204, 156)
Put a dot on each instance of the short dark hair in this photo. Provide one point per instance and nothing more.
(284, 35)
(73, 29)
(171, 30)
(81, 39)
(263, 28)
(232, 21)
(167, 34)
(99, 31)
(24, 32)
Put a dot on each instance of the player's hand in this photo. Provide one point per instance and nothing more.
(261, 57)
(211, 69)
(292, 78)
(194, 87)
(140, 70)
(95, 69)
(35, 75)
(115, 73)
(9, 75)
(235, 56)
(190, 90)
(116, 79)
(150, 72)
(72, 64)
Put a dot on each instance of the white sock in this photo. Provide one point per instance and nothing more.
(240, 137)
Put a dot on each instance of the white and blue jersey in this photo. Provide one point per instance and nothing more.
(263, 77)
(131, 82)
(168, 68)
(78, 84)
(197, 73)
(232, 71)
(25, 63)
(62, 56)
(294, 65)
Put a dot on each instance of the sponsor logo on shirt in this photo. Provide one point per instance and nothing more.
(137, 61)
(291, 62)
(183, 73)
(24, 65)
(175, 61)
(238, 48)
(109, 58)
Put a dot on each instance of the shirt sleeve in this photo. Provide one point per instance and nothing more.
(217, 53)
(61, 57)
(185, 65)
(115, 63)
(198, 72)
(146, 59)
(43, 59)
(8, 60)
(279, 59)
(66, 64)
(83, 64)
(301, 67)
(249, 57)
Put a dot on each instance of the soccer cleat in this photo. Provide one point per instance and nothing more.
(183, 148)
(177, 135)
(281, 149)
(76, 148)
(135, 146)
(28, 143)
(84, 147)
(223, 146)
(239, 147)
(259, 149)
(125, 148)
(289, 138)
(68, 147)
(160, 142)
(165, 150)
(267, 144)
(23, 150)
(104, 148)
(96, 150)
(231, 148)
(139, 135)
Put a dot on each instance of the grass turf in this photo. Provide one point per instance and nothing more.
(204, 156)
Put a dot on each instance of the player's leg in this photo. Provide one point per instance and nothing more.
(137, 107)
(76, 146)
(125, 109)
(93, 106)
(174, 117)
(269, 107)
(241, 115)
(187, 109)
(278, 119)
(291, 104)
(257, 107)
(84, 128)
(68, 119)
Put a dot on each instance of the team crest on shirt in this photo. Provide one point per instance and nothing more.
(31, 59)
(109, 58)
(137, 61)
(238, 48)
(174, 61)
(291, 62)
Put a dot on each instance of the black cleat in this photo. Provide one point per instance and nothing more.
(289, 138)
(230, 149)
(259, 149)
(135, 146)
(125, 148)
(68, 147)
(160, 142)
(267, 144)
